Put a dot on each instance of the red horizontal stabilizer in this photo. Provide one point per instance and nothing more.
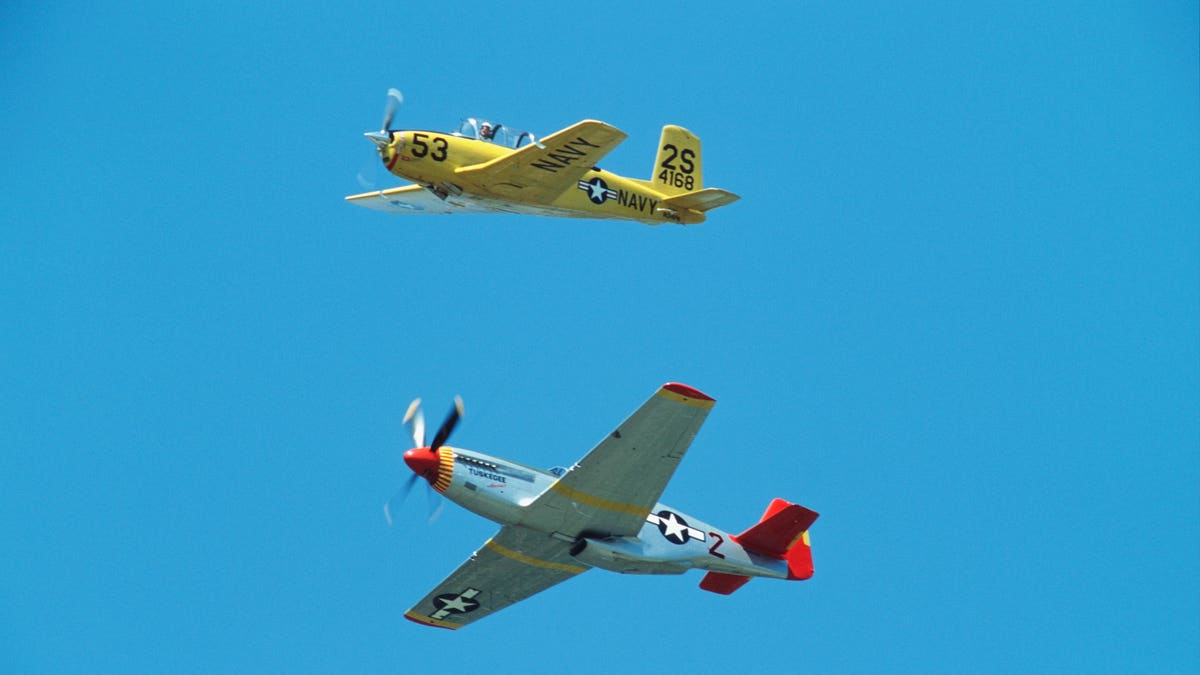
(718, 582)
(779, 528)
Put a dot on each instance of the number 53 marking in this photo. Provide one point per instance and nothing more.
(421, 148)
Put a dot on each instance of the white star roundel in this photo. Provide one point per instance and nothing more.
(597, 190)
(455, 603)
(673, 528)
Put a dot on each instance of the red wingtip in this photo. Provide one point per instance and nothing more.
(426, 621)
(684, 390)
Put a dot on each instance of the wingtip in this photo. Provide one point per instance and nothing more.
(430, 621)
(685, 390)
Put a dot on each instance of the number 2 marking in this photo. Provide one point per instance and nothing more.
(669, 162)
(679, 175)
(686, 163)
(719, 540)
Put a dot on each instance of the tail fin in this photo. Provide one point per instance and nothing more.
(677, 168)
(782, 532)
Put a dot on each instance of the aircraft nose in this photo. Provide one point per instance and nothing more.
(379, 138)
(423, 462)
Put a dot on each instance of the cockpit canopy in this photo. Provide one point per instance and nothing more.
(494, 132)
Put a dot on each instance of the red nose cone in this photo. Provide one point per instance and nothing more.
(423, 462)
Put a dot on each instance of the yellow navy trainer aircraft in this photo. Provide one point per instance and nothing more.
(602, 512)
(485, 167)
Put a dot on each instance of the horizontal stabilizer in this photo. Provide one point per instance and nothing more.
(701, 200)
(719, 582)
(780, 528)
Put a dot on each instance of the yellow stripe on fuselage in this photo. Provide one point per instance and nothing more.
(535, 562)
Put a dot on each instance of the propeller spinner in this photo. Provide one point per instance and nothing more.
(425, 461)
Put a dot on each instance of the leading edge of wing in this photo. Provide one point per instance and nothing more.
(513, 565)
(410, 199)
(612, 489)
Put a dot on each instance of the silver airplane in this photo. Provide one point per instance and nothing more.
(602, 512)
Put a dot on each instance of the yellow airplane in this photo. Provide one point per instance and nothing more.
(490, 168)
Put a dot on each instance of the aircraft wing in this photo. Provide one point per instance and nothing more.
(614, 487)
(511, 566)
(411, 199)
(539, 173)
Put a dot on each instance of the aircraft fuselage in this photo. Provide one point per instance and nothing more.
(670, 541)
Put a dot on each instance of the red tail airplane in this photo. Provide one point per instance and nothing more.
(602, 512)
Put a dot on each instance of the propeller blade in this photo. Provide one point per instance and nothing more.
(368, 176)
(452, 419)
(417, 419)
(437, 504)
(402, 493)
(395, 98)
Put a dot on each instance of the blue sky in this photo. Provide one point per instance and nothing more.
(957, 311)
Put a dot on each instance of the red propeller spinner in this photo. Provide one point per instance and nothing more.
(425, 461)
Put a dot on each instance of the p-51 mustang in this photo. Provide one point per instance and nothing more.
(486, 167)
(603, 512)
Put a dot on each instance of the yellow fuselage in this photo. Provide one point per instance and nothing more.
(433, 159)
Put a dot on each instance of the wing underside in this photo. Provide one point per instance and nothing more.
(513, 565)
(613, 488)
(412, 199)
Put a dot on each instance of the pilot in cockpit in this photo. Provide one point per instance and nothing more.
(487, 131)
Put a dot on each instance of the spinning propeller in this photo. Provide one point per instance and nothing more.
(383, 138)
(424, 460)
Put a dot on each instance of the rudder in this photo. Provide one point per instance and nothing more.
(799, 559)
